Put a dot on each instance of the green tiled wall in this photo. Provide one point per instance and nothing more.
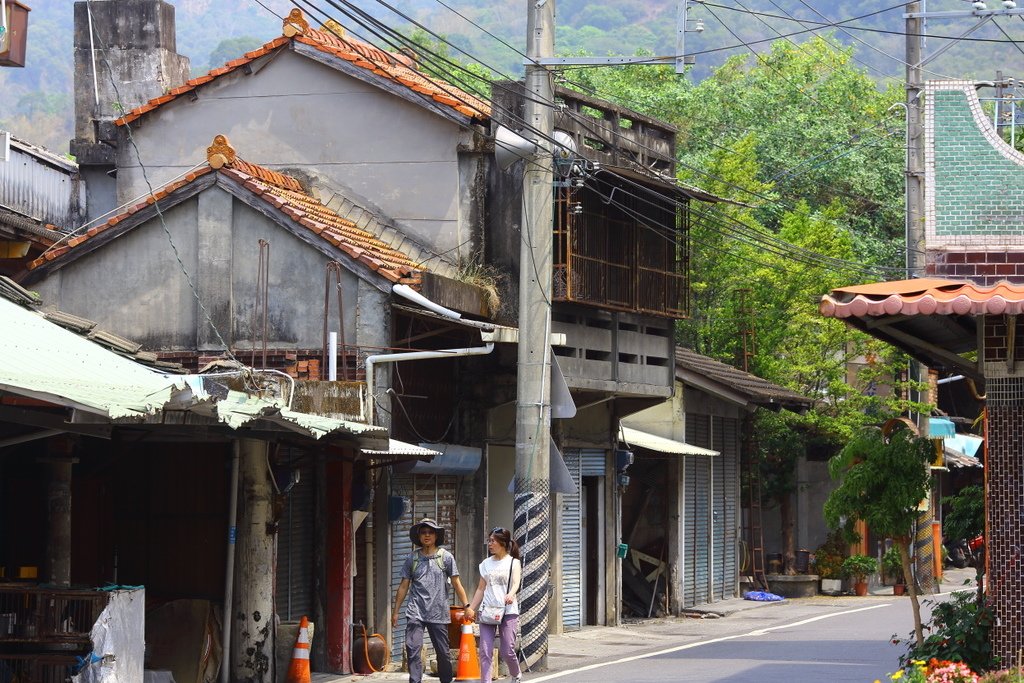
(978, 191)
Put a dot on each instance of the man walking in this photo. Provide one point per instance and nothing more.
(427, 571)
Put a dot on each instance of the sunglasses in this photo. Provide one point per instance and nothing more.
(499, 530)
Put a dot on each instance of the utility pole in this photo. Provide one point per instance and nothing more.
(532, 503)
(915, 143)
(532, 499)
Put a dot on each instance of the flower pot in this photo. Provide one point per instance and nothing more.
(831, 586)
(860, 588)
(899, 588)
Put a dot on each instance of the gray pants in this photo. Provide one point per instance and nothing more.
(414, 644)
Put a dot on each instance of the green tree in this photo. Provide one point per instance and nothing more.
(882, 482)
(232, 48)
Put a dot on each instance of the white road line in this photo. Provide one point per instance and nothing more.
(688, 646)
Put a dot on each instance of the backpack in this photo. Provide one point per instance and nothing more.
(438, 557)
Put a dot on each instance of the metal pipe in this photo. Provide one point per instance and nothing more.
(412, 355)
(407, 292)
(92, 55)
(332, 356)
(229, 570)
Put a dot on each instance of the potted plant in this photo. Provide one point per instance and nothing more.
(857, 567)
(892, 565)
(826, 562)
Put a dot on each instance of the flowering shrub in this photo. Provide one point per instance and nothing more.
(958, 631)
(1014, 675)
(950, 672)
(935, 671)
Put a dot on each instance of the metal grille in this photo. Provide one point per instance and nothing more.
(295, 541)
(36, 615)
(626, 250)
(36, 668)
(1005, 391)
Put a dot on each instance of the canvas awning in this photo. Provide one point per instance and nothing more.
(635, 437)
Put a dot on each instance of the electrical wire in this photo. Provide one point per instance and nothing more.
(163, 223)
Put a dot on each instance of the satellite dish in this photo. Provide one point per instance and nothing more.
(510, 147)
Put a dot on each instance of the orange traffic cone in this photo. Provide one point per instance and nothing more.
(469, 661)
(298, 671)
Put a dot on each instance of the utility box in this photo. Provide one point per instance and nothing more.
(14, 40)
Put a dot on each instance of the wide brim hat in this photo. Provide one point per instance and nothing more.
(414, 532)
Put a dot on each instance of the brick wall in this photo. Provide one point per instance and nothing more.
(984, 267)
(1006, 505)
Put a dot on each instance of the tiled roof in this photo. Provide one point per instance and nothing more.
(757, 390)
(923, 297)
(283, 193)
(394, 67)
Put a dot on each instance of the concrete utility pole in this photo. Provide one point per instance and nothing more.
(532, 511)
(532, 502)
(915, 143)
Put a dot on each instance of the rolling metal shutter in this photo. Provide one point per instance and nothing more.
(431, 496)
(698, 524)
(570, 524)
(295, 543)
(727, 442)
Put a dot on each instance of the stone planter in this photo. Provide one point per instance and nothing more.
(799, 586)
(831, 586)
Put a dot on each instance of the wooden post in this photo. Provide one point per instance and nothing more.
(58, 499)
(253, 651)
(339, 566)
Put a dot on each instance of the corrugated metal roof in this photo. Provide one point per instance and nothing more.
(396, 447)
(45, 361)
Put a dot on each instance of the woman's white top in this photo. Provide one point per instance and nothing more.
(495, 574)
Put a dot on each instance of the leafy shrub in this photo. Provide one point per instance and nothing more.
(829, 556)
(892, 564)
(857, 567)
(958, 632)
(966, 515)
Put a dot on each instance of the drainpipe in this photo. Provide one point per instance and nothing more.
(407, 292)
(413, 355)
(229, 571)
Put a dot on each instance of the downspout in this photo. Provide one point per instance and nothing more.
(229, 571)
(409, 293)
(413, 355)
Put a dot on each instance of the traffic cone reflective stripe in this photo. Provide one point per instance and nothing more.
(469, 661)
(298, 671)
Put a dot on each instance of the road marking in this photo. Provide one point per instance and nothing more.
(688, 646)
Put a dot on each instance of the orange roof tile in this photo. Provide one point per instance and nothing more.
(285, 194)
(395, 67)
(928, 297)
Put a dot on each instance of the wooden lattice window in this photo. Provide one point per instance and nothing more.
(621, 246)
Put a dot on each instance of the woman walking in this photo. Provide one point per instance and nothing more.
(495, 603)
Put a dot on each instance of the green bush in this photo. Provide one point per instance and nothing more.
(958, 631)
(892, 564)
(1014, 675)
(829, 556)
(857, 567)
(966, 515)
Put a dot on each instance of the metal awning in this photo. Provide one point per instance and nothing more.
(396, 447)
(653, 442)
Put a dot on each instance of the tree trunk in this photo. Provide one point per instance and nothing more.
(902, 542)
(788, 542)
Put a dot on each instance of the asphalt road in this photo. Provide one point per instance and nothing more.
(819, 639)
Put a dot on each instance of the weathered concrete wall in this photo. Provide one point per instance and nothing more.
(132, 46)
(135, 287)
(295, 113)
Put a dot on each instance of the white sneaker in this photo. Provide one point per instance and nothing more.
(517, 679)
